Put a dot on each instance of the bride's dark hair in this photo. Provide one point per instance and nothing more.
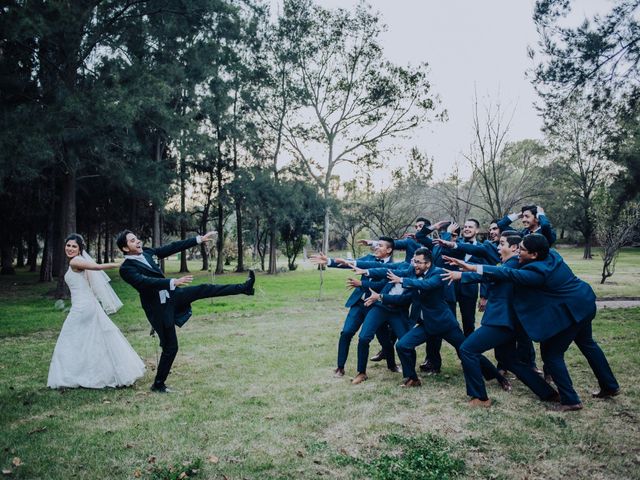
(76, 237)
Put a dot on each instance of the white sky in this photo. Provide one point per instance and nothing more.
(470, 45)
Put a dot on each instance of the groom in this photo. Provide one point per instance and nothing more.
(165, 305)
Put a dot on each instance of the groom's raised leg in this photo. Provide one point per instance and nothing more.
(187, 295)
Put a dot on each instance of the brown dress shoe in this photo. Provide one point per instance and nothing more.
(476, 402)
(338, 372)
(605, 393)
(555, 398)
(568, 408)
(361, 377)
(411, 382)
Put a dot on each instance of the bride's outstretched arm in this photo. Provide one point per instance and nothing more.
(80, 263)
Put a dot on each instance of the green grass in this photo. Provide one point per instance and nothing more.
(257, 400)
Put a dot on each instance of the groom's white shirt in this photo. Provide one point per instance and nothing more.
(164, 294)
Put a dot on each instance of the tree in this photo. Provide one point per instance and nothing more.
(352, 98)
(615, 234)
(598, 60)
(502, 171)
(581, 166)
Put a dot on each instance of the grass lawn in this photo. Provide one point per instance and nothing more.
(256, 398)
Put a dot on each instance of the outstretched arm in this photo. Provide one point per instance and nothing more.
(79, 263)
(528, 278)
(174, 247)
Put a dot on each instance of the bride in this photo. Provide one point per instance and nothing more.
(91, 352)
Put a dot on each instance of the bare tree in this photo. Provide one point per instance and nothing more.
(352, 96)
(502, 170)
(613, 235)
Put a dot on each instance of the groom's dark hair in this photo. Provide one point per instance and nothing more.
(121, 239)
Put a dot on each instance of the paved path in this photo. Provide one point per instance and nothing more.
(618, 303)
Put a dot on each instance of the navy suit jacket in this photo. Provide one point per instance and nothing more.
(409, 245)
(149, 281)
(358, 292)
(469, 290)
(548, 297)
(486, 250)
(436, 253)
(428, 304)
(545, 228)
(500, 310)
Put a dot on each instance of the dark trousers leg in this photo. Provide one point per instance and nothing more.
(468, 314)
(352, 324)
(503, 340)
(595, 356)
(552, 351)
(406, 348)
(434, 344)
(385, 338)
(169, 344)
(186, 295)
(375, 321)
(525, 351)
(456, 338)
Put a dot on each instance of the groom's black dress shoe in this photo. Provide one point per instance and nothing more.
(161, 389)
(248, 285)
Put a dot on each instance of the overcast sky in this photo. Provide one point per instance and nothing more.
(470, 45)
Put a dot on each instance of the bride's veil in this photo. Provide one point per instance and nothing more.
(99, 282)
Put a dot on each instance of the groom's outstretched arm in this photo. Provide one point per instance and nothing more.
(173, 247)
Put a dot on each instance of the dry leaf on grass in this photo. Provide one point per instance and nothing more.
(137, 473)
(212, 459)
(16, 462)
(152, 459)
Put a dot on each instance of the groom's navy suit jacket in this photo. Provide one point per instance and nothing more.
(149, 281)
(548, 297)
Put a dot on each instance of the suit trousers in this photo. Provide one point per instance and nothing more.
(525, 352)
(353, 322)
(552, 351)
(406, 348)
(503, 339)
(376, 321)
(434, 344)
(182, 297)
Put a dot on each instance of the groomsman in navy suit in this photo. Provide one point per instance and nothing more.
(499, 329)
(534, 221)
(432, 315)
(489, 251)
(555, 308)
(356, 302)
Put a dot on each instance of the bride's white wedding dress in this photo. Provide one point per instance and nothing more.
(91, 352)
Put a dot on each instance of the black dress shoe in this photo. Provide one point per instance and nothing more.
(161, 389)
(428, 368)
(248, 285)
(395, 369)
(378, 356)
(606, 393)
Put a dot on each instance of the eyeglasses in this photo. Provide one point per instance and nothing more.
(420, 262)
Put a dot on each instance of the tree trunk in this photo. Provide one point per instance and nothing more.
(20, 253)
(6, 256)
(240, 267)
(273, 266)
(586, 255)
(325, 234)
(220, 240)
(32, 252)
(46, 267)
(68, 216)
(184, 268)
(99, 245)
(105, 251)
